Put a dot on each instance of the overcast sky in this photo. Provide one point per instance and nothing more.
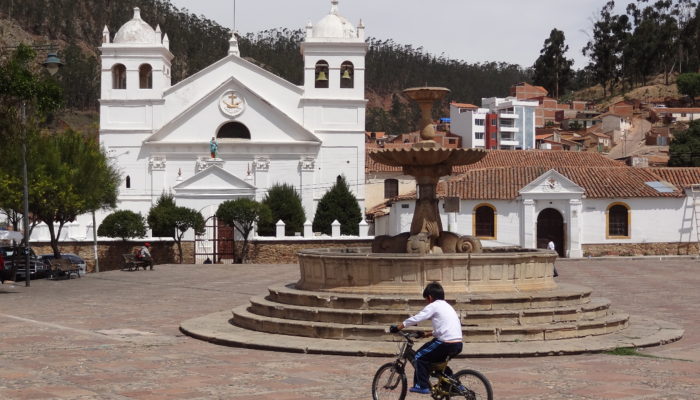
(475, 31)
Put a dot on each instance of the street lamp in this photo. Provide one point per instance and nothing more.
(52, 64)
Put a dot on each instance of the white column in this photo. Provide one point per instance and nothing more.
(308, 229)
(261, 166)
(306, 184)
(279, 229)
(528, 234)
(364, 228)
(335, 229)
(575, 249)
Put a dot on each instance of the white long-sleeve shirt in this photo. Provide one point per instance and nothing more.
(446, 324)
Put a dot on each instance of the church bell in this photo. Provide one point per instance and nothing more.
(346, 75)
(321, 76)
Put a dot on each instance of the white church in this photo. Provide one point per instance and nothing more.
(268, 130)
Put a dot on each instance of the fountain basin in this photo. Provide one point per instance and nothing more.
(358, 270)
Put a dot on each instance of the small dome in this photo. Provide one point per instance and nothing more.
(334, 26)
(135, 31)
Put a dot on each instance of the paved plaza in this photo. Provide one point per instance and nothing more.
(114, 335)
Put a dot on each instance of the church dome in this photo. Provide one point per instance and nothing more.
(334, 25)
(135, 31)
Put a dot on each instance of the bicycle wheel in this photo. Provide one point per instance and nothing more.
(475, 385)
(389, 383)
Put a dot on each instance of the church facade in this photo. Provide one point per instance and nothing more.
(268, 131)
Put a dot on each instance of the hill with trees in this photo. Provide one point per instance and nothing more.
(625, 51)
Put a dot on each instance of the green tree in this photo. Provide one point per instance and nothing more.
(684, 149)
(689, 85)
(124, 224)
(72, 177)
(167, 219)
(605, 49)
(338, 204)
(552, 69)
(285, 204)
(28, 96)
(242, 215)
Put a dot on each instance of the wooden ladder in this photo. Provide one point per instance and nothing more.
(695, 190)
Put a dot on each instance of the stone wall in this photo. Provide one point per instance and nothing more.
(285, 251)
(110, 252)
(639, 249)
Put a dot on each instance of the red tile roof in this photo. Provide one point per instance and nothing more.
(679, 177)
(597, 182)
(521, 158)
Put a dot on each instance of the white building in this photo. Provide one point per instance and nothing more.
(503, 123)
(268, 130)
(469, 122)
(584, 202)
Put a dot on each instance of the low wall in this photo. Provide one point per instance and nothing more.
(110, 252)
(640, 249)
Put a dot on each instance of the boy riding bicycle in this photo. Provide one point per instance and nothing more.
(447, 335)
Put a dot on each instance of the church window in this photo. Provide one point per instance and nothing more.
(145, 76)
(119, 76)
(618, 221)
(321, 75)
(128, 182)
(391, 188)
(347, 75)
(233, 130)
(484, 220)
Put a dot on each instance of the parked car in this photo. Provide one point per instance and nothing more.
(74, 259)
(14, 257)
(6, 273)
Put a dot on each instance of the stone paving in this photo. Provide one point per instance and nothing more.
(114, 335)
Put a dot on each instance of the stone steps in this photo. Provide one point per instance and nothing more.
(596, 308)
(611, 322)
(563, 296)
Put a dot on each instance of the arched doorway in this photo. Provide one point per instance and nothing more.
(550, 226)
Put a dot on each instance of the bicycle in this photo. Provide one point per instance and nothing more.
(390, 379)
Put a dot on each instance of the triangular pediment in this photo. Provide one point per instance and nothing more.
(552, 184)
(213, 182)
(203, 118)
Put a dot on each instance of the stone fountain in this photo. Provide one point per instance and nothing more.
(506, 298)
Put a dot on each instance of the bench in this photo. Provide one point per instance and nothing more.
(62, 267)
(131, 263)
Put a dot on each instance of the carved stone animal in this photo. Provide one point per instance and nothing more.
(452, 243)
(418, 244)
(390, 244)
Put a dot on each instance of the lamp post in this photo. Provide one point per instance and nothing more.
(52, 64)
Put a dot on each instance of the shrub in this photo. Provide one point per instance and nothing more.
(338, 204)
(285, 204)
(124, 224)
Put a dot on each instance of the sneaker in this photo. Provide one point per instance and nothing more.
(418, 389)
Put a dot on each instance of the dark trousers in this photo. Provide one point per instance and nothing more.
(432, 352)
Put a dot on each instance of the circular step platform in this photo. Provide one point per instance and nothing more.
(561, 320)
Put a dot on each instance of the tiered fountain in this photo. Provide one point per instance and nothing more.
(345, 298)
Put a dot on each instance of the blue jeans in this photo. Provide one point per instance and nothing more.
(432, 352)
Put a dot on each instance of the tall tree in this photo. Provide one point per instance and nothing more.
(689, 85)
(75, 177)
(242, 215)
(167, 219)
(285, 204)
(552, 69)
(123, 224)
(605, 49)
(340, 204)
(684, 149)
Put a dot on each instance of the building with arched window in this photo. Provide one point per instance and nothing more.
(267, 129)
(583, 202)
